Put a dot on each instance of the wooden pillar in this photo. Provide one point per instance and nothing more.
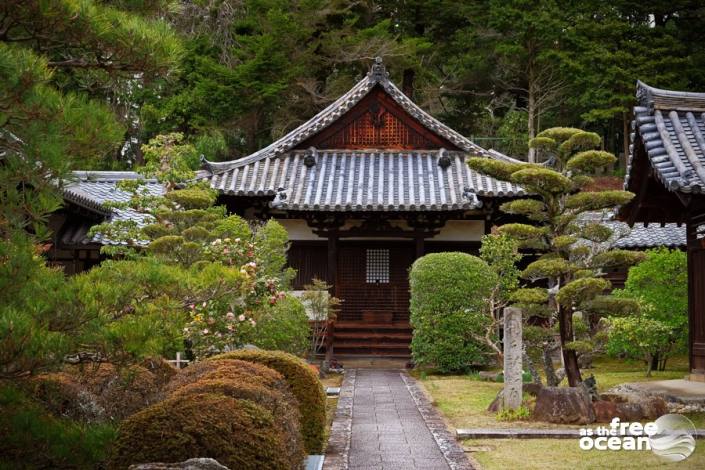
(333, 282)
(333, 260)
(420, 246)
(696, 302)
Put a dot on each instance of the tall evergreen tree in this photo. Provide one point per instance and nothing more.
(571, 268)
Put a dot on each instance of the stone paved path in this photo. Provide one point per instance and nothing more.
(390, 426)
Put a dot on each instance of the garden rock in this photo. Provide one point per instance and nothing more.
(631, 407)
(190, 464)
(564, 405)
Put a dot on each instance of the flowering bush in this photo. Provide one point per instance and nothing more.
(223, 324)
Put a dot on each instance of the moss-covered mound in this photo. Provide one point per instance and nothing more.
(63, 396)
(121, 391)
(305, 386)
(163, 371)
(227, 369)
(281, 404)
(237, 433)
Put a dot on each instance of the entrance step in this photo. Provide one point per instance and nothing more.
(372, 339)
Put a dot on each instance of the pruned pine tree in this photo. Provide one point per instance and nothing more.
(568, 263)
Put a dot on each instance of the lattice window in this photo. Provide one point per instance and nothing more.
(377, 271)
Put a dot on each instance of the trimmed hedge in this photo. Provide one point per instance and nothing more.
(227, 369)
(281, 404)
(63, 396)
(237, 433)
(448, 292)
(304, 385)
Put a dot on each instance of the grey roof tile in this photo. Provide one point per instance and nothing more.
(364, 181)
(92, 189)
(671, 125)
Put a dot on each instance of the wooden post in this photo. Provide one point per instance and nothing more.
(333, 261)
(333, 282)
(419, 240)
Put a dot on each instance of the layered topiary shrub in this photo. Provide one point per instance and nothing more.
(281, 404)
(305, 386)
(229, 369)
(448, 293)
(237, 433)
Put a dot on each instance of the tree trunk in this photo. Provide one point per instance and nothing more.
(649, 363)
(532, 368)
(654, 362)
(407, 83)
(531, 115)
(625, 141)
(552, 379)
(570, 358)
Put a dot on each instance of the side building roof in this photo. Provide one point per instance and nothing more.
(671, 125)
(92, 190)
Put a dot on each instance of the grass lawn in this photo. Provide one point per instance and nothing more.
(463, 400)
(548, 454)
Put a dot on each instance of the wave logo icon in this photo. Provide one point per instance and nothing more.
(674, 439)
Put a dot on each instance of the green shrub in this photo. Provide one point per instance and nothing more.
(237, 433)
(304, 385)
(31, 438)
(230, 369)
(448, 292)
(283, 327)
(281, 404)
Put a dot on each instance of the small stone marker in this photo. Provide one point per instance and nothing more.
(512, 358)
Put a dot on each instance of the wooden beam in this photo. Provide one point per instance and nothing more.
(333, 261)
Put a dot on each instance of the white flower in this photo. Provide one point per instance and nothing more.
(241, 317)
(230, 315)
(205, 331)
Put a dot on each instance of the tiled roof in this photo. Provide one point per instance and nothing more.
(361, 180)
(364, 181)
(640, 236)
(92, 189)
(671, 125)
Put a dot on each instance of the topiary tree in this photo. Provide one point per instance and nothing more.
(449, 293)
(305, 386)
(571, 253)
(660, 283)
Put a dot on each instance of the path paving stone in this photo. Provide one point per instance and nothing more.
(384, 422)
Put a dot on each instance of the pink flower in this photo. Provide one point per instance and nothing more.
(254, 323)
(241, 317)
(193, 306)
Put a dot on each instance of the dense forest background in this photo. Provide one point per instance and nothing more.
(233, 75)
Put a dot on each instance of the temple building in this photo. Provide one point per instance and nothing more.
(666, 170)
(365, 187)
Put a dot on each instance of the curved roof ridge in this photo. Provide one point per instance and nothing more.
(660, 98)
